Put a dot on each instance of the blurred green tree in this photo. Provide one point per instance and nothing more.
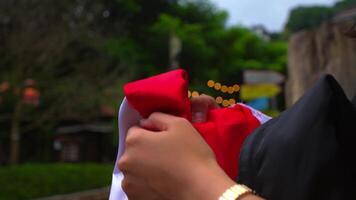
(81, 52)
(61, 45)
(308, 17)
(344, 4)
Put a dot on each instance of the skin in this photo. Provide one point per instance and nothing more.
(200, 106)
(167, 159)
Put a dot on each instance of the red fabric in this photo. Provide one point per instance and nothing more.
(225, 129)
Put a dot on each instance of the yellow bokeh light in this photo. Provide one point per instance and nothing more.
(217, 86)
(225, 103)
(224, 88)
(195, 94)
(230, 90)
(211, 83)
(189, 94)
(232, 101)
(219, 100)
(236, 88)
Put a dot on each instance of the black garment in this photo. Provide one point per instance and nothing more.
(308, 152)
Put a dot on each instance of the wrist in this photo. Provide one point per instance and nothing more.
(207, 182)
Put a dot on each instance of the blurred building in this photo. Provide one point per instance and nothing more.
(261, 32)
(82, 142)
(76, 141)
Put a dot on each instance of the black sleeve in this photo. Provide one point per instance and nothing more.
(308, 152)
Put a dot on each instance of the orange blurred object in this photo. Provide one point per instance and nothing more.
(31, 96)
(195, 94)
(4, 86)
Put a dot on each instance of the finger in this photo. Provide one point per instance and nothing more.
(210, 100)
(158, 121)
(123, 164)
(148, 125)
(131, 161)
(135, 135)
(133, 185)
(203, 101)
(200, 106)
(137, 188)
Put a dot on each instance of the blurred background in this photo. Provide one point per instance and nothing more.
(63, 64)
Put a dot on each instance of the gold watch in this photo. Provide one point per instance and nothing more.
(236, 191)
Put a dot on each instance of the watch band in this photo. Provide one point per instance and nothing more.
(236, 191)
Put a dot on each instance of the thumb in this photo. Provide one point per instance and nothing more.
(157, 121)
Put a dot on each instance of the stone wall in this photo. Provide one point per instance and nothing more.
(314, 52)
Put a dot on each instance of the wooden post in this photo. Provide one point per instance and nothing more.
(15, 135)
(175, 46)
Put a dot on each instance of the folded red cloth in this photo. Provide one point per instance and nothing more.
(225, 129)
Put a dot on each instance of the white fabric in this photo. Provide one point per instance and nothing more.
(129, 117)
(258, 114)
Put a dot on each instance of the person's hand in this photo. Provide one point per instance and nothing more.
(171, 162)
(200, 106)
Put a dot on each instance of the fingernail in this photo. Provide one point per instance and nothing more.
(198, 117)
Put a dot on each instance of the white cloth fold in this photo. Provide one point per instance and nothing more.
(127, 118)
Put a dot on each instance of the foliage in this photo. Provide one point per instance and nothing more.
(92, 47)
(39, 180)
(308, 17)
(344, 4)
(82, 52)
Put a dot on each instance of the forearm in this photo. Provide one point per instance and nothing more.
(210, 182)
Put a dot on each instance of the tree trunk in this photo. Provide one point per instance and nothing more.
(175, 47)
(15, 135)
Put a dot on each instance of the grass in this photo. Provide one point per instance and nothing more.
(30, 181)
